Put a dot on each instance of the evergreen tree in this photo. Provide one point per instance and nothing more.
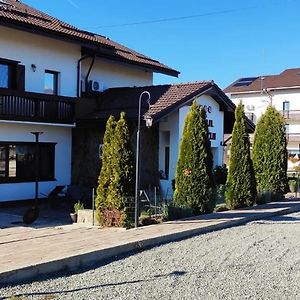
(106, 169)
(270, 154)
(240, 185)
(194, 183)
(122, 179)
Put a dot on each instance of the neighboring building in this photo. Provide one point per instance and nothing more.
(283, 92)
(160, 143)
(45, 65)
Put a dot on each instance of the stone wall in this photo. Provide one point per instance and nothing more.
(85, 157)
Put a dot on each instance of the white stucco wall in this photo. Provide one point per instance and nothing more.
(261, 102)
(21, 133)
(112, 74)
(175, 124)
(46, 54)
(55, 55)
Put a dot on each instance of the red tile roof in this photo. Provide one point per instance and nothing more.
(289, 78)
(17, 14)
(164, 99)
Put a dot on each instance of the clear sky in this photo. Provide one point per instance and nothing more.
(225, 40)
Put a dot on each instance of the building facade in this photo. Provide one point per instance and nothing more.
(46, 66)
(64, 83)
(283, 92)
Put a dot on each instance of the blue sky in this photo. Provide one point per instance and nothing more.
(230, 39)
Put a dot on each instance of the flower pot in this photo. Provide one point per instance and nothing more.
(73, 217)
(292, 188)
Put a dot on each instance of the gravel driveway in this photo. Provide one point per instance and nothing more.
(258, 261)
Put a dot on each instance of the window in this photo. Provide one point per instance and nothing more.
(17, 162)
(167, 162)
(4, 76)
(51, 83)
(12, 75)
(286, 105)
(287, 128)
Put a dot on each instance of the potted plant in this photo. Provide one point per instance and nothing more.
(293, 185)
(77, 206)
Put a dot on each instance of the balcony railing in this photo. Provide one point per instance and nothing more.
(292, 115)
(293, 137)
(34, 107)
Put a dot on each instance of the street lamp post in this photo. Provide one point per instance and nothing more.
(148, 120)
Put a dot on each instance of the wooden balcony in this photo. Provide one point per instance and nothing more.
(34, 107)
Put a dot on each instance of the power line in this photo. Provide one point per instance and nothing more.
(222, 12)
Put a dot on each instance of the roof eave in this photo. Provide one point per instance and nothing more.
(80, 41)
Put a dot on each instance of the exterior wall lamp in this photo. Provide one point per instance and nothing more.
(33, 67)
(148, 120)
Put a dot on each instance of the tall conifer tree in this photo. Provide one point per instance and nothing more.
(193, 183)
(122, 179)
(106, 168)
(240, 185)
(270, 154)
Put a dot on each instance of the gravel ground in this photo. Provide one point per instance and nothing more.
(258, 261)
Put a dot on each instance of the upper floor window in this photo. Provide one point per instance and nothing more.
(286, 105)
(12, 75)
(4, 76)
(51, 82)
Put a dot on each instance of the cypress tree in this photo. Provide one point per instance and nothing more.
(240, 185)
(193, 182)
(122, 179)
(270, 154)
(106, 169)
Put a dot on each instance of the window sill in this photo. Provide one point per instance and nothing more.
(14, 180)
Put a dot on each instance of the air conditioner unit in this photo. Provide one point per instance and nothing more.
(95, 86)
(250, 107)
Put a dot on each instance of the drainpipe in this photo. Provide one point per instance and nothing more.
(267, 92)
(79, 73)
(89, 71)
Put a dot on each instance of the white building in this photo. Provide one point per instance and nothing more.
(160, 143)
(282, 91)
(65, 82)
(45, 65)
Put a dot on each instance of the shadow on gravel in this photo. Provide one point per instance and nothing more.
(279, 219)
(155, 277)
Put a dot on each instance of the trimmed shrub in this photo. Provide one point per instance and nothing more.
(122, 176)
(106, 169)
(193, 182)
(116, 180)
(220, 174)
(240, 185)
(270, 155)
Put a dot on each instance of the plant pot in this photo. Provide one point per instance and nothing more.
(292, 188)
(73, 217)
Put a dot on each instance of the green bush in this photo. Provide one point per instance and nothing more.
(173, 212)
(220, 174)
(116, 180)
(77, 206)
(240, 185)
(194, 182)
(270, 154)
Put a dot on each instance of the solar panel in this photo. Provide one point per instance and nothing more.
(245, 81)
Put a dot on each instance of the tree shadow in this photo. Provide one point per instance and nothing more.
(155, 277)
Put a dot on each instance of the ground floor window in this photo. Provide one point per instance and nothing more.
(17, 162)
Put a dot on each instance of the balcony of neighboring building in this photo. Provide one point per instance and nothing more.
(35, 107)
(291, 116)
